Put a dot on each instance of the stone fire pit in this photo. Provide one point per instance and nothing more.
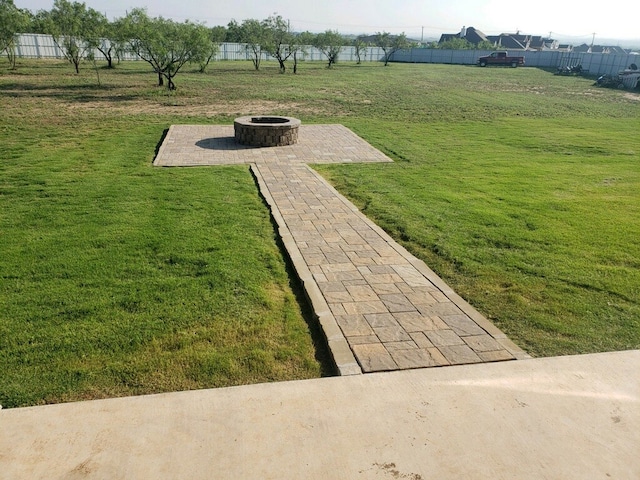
(266, 131)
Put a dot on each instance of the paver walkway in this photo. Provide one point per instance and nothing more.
(380, 308)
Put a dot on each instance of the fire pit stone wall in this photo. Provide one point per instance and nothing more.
(266, 131)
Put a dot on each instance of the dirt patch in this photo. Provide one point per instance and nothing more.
(632, 96)
(128, 101)
(188, 107)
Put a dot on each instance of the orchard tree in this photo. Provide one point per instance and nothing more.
(107, 39)
(390, 44)
(360, 47)
(486, 45)
(330, 43)
(252, 35)
(72, 26)
(278, 40)
(455, 44)
(164, 44)
(302, 41)
(233, 33)
(12, 21)
(216, 36)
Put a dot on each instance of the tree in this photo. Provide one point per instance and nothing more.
(216, 36)
(456, 44)
(252, 35)
(233, 33)
(12, 21)
(72, 26)
(278, 40)
(360, 48)
(302, 41)
(107, 39)
(164, 44)
(486, 45)
(330, 43)
(463, 44)
(390, 44)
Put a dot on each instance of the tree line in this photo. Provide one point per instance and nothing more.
(166, 45)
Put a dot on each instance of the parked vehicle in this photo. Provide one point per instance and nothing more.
(500, 58)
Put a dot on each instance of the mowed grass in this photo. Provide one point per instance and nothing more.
(532, 222)
(520, 188)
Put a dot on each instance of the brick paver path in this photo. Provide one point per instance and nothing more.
(380, 307)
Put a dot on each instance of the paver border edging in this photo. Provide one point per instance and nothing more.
(343, 358)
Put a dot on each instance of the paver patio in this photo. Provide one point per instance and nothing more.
(380, 307)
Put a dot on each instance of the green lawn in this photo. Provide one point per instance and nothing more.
(520, 188)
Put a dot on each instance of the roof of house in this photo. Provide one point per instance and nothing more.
(616, 49)
(445, 37)
(471, 35)
(475, 36)
(507, 41)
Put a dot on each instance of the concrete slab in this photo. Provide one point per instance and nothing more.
(554, 418)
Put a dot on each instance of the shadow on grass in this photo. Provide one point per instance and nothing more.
(76, 93)
(159, 144)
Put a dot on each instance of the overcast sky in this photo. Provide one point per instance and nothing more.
(573, 20)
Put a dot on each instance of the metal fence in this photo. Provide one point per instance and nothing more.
(31, 45)
(42, 46)
(238, 51)
(592, 63)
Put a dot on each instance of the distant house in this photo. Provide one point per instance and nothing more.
(543, 43)
(508, 41)
(617, 50)
(610, 49)
(469, 34)
(518, 41)
(584, 48)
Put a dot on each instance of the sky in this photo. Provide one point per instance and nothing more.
(573, 21)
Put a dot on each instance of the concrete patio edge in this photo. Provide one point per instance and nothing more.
(566, 418)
